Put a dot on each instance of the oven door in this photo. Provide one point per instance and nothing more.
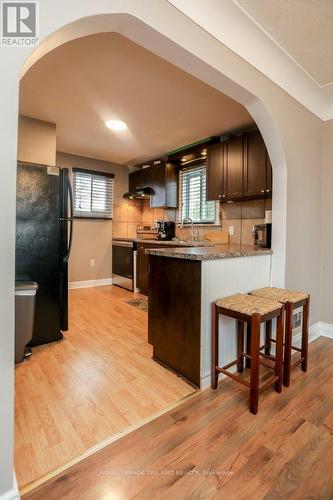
(122, 265)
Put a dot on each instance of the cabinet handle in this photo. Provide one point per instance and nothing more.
(262, 190)
(268, 190)
(224, 195)
(220, 196)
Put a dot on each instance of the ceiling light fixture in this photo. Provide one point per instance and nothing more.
(116, 125)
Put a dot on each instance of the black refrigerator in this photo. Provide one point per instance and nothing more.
(44, 234)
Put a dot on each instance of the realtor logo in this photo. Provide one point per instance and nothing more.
(19, 24)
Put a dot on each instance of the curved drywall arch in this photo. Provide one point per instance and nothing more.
(144, 35)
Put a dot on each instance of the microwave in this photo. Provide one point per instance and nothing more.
(262, 234)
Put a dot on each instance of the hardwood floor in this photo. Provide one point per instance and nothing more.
(100, 380)
(212, 447)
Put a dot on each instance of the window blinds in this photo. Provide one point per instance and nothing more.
(93, 194)
(193, 196)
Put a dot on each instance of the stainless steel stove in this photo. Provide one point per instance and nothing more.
(124, 263)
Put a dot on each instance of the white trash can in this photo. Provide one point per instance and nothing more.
(25, 297)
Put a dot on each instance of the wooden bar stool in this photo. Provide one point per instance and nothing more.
(253, 311)
(290, 300)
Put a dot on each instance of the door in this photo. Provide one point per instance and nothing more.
(66, 238)
(142, 268)
(233, 168)
(38, 243)
(214, 173)
(159, 185)
(140, 179)
(269, 176)
(254, 165)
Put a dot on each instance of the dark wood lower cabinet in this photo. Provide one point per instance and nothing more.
(174, 315)
(142, 264)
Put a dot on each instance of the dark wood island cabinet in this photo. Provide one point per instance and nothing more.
(183, 282)
(175, 312)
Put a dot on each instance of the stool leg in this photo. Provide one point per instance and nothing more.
(248, 345)
(268, 336)
(254, 379)
(305, 335)
(240, 346)
(215, 346)
(287, 346)
(279, 352)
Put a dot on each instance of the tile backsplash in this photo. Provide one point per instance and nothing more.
(240, 215)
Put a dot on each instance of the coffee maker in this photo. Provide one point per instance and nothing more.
(166, 230)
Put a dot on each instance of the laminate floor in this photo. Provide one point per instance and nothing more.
(212, 447)
(100, 380)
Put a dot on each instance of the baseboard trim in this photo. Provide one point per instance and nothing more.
(326, 330)
(72, 285)
(12, 494)
(317, 330)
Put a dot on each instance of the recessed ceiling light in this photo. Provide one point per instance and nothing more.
(116, 125)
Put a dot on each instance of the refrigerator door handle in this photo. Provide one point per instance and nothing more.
(70, 218)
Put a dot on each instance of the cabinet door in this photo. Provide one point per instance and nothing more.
(233, 168)
(254, 165)
(142, 270)
(159, 186)
(140, 178)
(269, 176)
(214, 172)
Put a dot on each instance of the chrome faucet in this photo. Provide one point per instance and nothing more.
(187, 220)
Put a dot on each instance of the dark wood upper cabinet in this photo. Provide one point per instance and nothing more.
(255, 157)
(140, 178)
(160, 176)
(239, 169)
(233, 168)
(269, 174)
(214, 184)
(165, 185)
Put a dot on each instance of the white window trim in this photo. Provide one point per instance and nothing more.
(92, 215)
(216, 223)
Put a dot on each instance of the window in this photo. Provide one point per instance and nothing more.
(93, 194)
(192, 191)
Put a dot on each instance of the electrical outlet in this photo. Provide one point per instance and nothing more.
(231, 230)
(92, 263)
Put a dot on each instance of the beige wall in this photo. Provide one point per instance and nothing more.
(326, 313)
(93, 238)
(36, 141)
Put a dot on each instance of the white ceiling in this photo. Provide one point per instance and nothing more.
(83, 83)
(289, 41)
(302, 28)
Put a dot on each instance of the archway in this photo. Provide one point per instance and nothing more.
(149, 29)
(144, 35)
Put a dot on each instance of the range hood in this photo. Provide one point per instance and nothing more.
(139, 194)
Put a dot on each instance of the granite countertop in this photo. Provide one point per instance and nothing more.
(172, 243)
(210, 253)
(177, 243)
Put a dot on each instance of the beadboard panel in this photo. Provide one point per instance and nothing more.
(221, 278)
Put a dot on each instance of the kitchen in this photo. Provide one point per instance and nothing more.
(94, 375)
(124, 400)
(238, 174)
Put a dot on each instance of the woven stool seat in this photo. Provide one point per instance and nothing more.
(280, 294)
(248, 304)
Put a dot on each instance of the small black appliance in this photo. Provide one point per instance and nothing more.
(166, 230)
(262, 234)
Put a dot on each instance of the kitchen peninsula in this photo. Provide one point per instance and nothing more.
(183, 284)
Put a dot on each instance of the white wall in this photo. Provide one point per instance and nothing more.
(326, 313)
(187, 45)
